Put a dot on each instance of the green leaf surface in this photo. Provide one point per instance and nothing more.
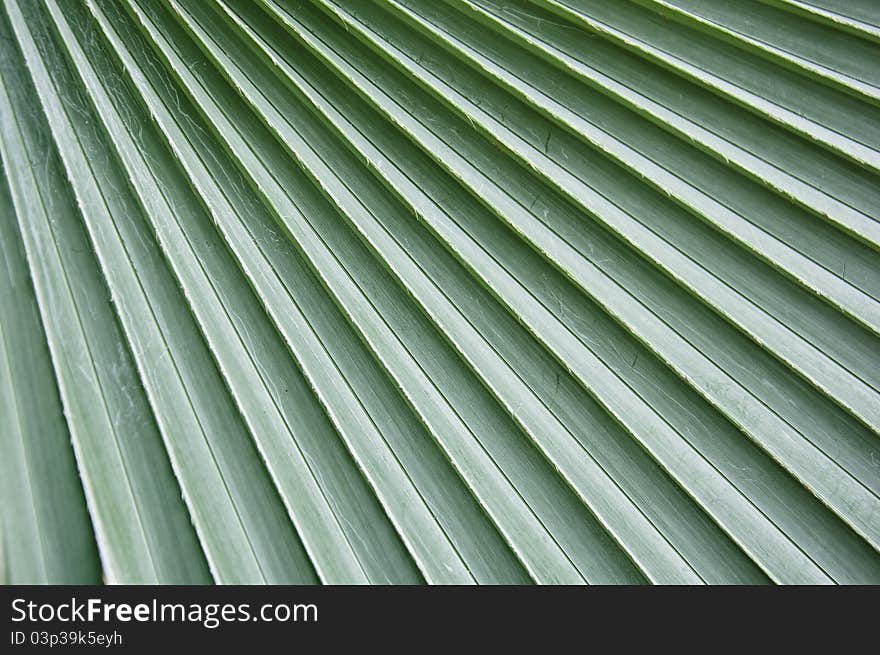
(141, 527)
(474, 291)
(46, 534)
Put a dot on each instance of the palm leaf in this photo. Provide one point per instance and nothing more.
(465, 292)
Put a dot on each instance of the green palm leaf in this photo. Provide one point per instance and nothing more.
(481, 291)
